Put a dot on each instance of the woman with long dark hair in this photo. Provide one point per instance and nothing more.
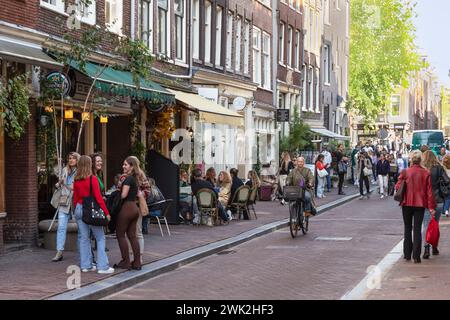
(320, 166)
(129, 215)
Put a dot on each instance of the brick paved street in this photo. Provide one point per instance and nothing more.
(276, 266)
(30, 274)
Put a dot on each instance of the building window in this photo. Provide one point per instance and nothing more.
(179, 29)
(113, 15)
(162, 27)
(338, 5)
(311, 89)
(291, 3)
(289, 47)
(395, 105)
(196, 29)
(208, 31)
(237, 62)
(85, 13)
(326, 11)
(145, 13)
(347, 19)
(229, 38)
(304, 108)
(281, 45)
(218, 35)
(326, 64)
(266, 61)
(317, 91)
(256, 55)
(57, 5)
(297, 49)
(246, 46)
(298, 5)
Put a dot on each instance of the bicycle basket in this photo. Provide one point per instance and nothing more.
(292, 193)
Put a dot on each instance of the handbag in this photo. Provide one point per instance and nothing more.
(143, 208)
(322, 173)
(400, 193)
(367, 172)
(342, 167)
(55, 198)
(92, 213)
(444, 184)
(433, 233)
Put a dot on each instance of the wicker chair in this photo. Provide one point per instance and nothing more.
(206, 203)
(240, 199)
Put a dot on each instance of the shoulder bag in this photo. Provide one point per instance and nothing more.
(92, 213)
(322, 173)
(444, 184)
(400, 193)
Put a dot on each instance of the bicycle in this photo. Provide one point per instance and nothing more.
(297, 219)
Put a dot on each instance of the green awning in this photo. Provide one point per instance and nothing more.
(118, 82)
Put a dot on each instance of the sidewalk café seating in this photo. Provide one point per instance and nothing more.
(252, 201)
(240, 199)
(206, 203)
(159, 211)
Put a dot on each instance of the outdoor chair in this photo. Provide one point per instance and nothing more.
(252, 201)
(240, 199)
(159, 211)
(206, 203)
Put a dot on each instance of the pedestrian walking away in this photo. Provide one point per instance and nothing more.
(65, 206)
(364, 171)
(417, 197)
(342, 161)
(383, 169)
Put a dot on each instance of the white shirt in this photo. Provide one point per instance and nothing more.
(327, 160)
(367, 149)
(400, 165)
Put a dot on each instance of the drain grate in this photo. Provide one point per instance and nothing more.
(333, 238)
(226, 252)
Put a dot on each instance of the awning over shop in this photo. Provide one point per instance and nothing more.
(120, 82)
(25, 53)
(329, 134)
(208, 110)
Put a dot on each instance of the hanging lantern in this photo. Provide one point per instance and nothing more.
(68, 114)
(103, 119)
(85, 116)
(48, 109)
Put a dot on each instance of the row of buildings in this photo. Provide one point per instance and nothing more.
(419, 106)
(221, 66)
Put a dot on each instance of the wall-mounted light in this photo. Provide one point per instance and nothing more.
(68, 114)
(103, 119)
(85, 116)
(48, 109)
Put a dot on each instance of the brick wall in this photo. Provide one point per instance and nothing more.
(21, 12)
(21, 186)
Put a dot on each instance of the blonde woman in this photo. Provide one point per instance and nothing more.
(65, 205)
(224, 182)
(253, 180)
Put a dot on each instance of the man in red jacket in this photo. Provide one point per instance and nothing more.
(418, 197)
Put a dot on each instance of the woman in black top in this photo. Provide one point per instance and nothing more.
(128, 215)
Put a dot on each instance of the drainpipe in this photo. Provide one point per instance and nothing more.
(275, 69)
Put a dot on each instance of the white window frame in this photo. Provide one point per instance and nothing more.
(196, 29)
(256, 45)
(208, 31)
(238, 39)
(228, 62)
(246, 47)
(317, 91)
(338, 6)
(304, 96)
(147, 38)
(311, 88)
(183, 32)
(88, 17)
(281, 43)
(167, 34)
(219, 19)
(326, 64)
(297, 50)
(326, 12)
(289, 46)
(266, 62)
(58, 6)
(116, 24)
(399, 105)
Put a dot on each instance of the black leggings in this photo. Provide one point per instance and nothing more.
(364, 179)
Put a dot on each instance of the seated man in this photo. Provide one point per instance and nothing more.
(199, 183)
(235, 184)
(302, 176)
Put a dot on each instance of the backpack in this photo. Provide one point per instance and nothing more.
(444, 184)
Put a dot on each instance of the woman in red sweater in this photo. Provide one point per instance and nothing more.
(320, 167)
(81, 189)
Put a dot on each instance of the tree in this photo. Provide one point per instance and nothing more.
(78, 45)
(299, 137)
(382, 53)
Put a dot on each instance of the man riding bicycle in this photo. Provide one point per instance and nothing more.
(303, 177)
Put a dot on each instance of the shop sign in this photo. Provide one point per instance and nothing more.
(56, 79)
(282, 115)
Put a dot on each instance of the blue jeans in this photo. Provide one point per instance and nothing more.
(427, 219)
(329, 179)
(447, 204)
(84, 243)
(63, 219)
(307, 200)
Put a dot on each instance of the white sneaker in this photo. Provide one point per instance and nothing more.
(107, 271)
(446, 213)
(361, 198)
(230, 216)
(382, 196)
(94, 268)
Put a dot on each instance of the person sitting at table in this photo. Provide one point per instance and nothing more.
(154, 195)
(184, 178)
(253, 180)
(211, 176)
(268, 178)
(199, 183)
(235, 182)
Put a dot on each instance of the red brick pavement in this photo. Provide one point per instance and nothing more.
(30, 274)
(276, 266)
(429, 280)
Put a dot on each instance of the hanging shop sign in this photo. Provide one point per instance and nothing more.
(58, 79)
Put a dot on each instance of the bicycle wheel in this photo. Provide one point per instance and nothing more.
(293, 219)
(303, 221)
(305, 224)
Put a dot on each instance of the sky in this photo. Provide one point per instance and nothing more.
(433, 35)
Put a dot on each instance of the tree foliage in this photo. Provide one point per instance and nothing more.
(382, 53)
(299, 137)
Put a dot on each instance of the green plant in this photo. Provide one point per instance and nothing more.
(299, 137)
(14, 107)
